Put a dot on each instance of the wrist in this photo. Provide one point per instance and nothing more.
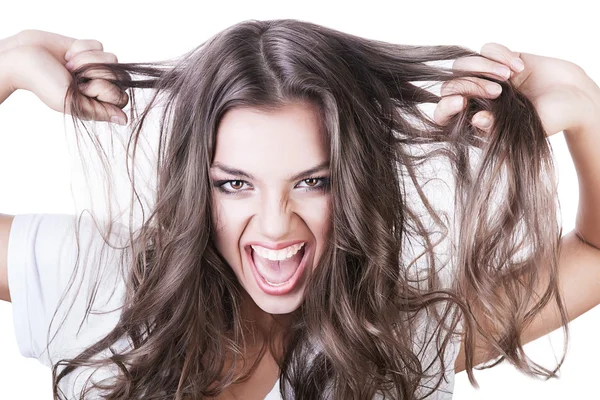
(588, 121)
(9, 60)
(9, 43)
(6, 79)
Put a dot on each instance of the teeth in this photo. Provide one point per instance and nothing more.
(275, 284)
(277, 255)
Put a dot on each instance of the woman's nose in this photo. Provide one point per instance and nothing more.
(275, 219)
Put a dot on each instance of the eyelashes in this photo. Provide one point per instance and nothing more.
(234, 186)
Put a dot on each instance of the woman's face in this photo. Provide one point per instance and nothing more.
(271, 199)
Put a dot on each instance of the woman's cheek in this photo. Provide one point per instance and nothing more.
(317, 217)
(232, 217)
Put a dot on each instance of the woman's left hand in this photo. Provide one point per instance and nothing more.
(564, 96)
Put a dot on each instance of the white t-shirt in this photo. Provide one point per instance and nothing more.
(41, 256)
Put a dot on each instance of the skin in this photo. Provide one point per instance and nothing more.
(567, 100)
(271, 206)
(47, 59)
(564, 96)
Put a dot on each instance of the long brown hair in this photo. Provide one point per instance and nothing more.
(374, 305)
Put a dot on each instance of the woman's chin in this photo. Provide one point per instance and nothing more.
(277, 305)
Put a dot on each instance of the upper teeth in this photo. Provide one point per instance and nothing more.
(277, 255)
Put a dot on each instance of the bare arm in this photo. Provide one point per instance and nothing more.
(35, 61)
(6, 90)
(579, 259)
(8, 43)
(579, 276)
(6, 59)
(5, 224)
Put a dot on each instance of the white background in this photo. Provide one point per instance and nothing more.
(34, 164)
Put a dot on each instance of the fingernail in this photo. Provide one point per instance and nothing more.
(69, 65)
(68, 55)
(502, 71)
(483, 122)
(494, 89)
(517, 64)
(118, 120)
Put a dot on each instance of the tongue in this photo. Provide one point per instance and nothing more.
(277, 271)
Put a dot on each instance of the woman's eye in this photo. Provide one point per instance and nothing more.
(231, 186)
(236, 185)
(314, 183)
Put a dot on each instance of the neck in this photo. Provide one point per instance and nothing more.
(261, 324)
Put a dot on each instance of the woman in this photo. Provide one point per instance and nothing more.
(337, 115)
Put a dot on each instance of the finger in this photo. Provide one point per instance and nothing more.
(88, 57)
(503, 55)
(483, 120)
(471, 86)
(447, 107)
(105, 92)
(93, 56)
(484, 66)
(54, 43)
(98, 111)
(79, 46)
(99, 73)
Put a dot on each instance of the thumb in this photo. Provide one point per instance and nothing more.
(94, 110)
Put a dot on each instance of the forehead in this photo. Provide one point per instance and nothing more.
(285, 140)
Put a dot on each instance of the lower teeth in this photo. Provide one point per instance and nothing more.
(275, 284)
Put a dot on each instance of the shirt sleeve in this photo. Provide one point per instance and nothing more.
(50, 295)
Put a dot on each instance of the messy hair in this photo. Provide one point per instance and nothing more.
(381, 294)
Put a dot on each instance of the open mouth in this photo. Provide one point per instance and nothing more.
(277, 277)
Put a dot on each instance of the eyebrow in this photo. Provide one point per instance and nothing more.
(239, 172)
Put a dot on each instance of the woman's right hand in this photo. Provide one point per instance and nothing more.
(40, 62)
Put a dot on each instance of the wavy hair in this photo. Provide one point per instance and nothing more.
(360, 330)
